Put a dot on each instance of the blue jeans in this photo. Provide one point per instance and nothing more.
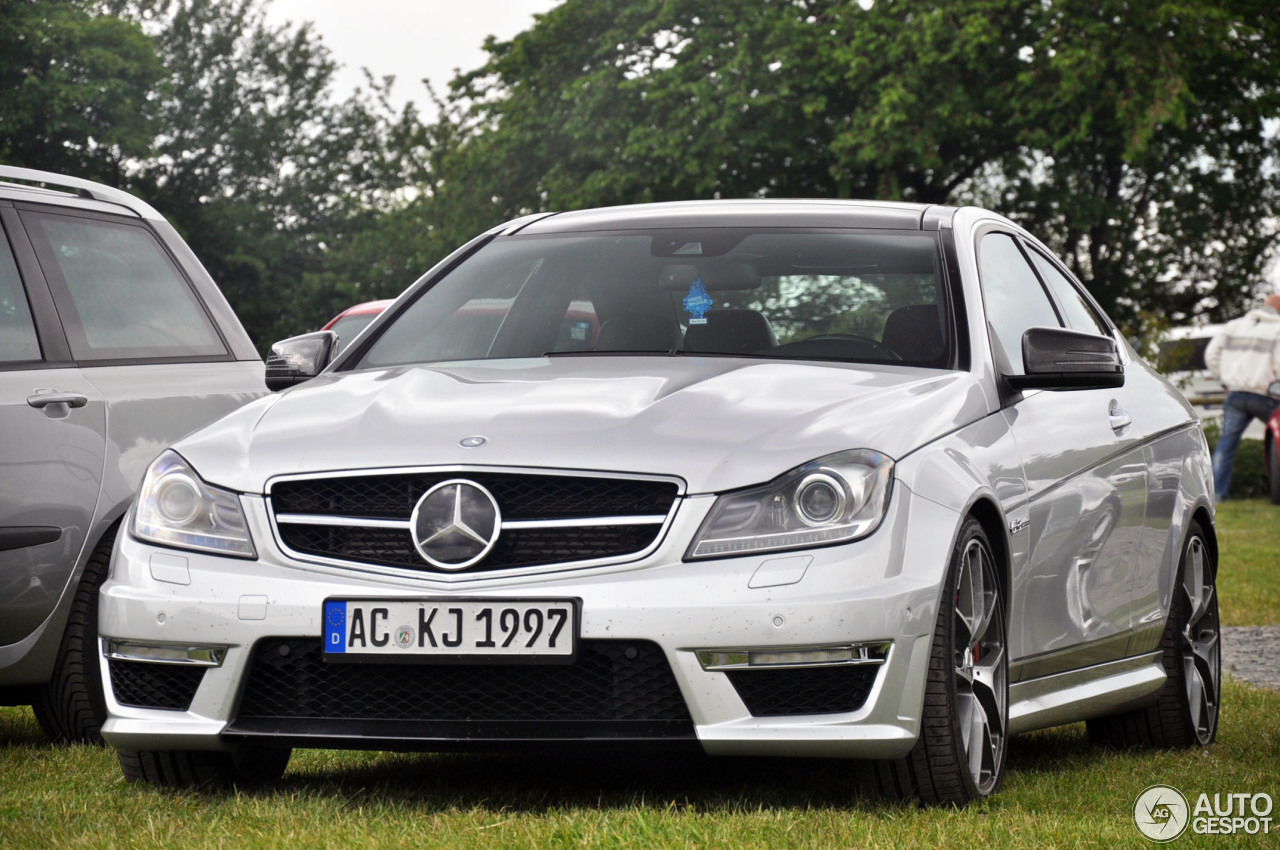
(1238, 410)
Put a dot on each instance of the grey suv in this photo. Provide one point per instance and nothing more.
(114, 342)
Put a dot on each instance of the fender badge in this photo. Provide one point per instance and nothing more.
(472, 442)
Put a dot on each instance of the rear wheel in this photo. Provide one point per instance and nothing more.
(1185, 713)
(205, 770)
(71, 707)
(960, 755)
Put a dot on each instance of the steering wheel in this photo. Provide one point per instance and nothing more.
(875, 345)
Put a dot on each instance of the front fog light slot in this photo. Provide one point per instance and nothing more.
(860, 654)
(163, 653)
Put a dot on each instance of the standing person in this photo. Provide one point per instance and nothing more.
(1245, 356)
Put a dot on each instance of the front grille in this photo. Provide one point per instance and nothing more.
(146, 685)
(812, 690)
(323, 517)
(611, 680)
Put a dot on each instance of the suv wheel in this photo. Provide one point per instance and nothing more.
(71, 707)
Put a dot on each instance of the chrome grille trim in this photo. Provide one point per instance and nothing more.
(661, 523)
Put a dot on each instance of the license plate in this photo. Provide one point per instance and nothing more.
(504, 631)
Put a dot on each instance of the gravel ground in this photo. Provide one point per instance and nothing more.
(1252, 653)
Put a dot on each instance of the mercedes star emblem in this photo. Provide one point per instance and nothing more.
(455, 524)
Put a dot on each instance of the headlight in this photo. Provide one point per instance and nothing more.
(834, 499)
(176, 508)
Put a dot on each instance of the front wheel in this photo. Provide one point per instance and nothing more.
(202, 770)
(960, 755)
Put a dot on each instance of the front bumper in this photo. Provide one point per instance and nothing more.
(879, 591)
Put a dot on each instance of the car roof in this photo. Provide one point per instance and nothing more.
(88, 194)
(366, 307)
(740, 213)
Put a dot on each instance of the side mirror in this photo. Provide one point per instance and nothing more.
(299, 358)
(1061, 359)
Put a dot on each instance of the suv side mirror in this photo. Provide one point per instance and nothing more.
(1061, 359)
(299, 358)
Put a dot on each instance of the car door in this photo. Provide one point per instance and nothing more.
(1086, 480)
(52, 434)
(141, 334)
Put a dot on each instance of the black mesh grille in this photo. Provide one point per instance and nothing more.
(519, 497)
(145, 685)
(815, 690)
(610, 681)
(523, 548)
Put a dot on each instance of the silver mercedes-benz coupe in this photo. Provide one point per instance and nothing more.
(800, 478)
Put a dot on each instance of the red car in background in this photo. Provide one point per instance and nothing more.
(1271, 445)
(352, 320)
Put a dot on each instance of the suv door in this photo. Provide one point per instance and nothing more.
(53, 423)
(140, 333)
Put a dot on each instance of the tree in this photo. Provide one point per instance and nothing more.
(1134, 137)
(265, 174)
(78, 91)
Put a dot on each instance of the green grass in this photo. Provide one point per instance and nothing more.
(1059, 791)
(1249, 562)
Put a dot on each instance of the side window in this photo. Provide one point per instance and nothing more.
(18, 341)
(1080, 315)
(119, 293)
(1012, 295)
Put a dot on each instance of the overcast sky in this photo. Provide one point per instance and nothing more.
(411, 39)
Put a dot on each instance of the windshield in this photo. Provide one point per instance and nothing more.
(855, 296)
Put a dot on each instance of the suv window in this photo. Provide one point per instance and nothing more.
(118, 292)
(1013, 296)
(17, 331)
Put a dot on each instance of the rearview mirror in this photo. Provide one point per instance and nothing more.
(1061, 359)
(299, 358)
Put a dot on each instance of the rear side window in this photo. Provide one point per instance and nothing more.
(18, 341)
(120, 295)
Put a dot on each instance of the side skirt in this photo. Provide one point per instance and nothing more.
(1080, 694)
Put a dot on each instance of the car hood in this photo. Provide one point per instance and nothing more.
(716, 423)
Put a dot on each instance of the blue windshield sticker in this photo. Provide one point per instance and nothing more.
(697, 303)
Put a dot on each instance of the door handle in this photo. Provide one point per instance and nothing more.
(1119, 419)
(43, 399)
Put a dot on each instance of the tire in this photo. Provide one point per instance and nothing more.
(71, 707)
(1185, 711)
(1273, 470)
(206, 770)
(960, 755)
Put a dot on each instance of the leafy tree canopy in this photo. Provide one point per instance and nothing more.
(1138, 139)
(79, 91)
